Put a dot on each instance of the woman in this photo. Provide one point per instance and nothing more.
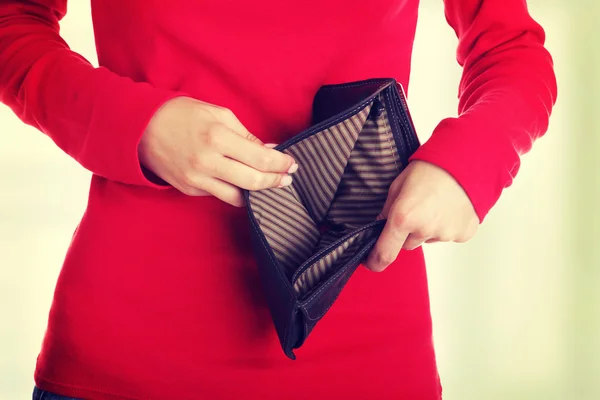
(158, 297)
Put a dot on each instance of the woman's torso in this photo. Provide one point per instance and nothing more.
(159, 296)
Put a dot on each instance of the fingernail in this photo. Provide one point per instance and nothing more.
(293, 168)
(270, 145)
(286, 181)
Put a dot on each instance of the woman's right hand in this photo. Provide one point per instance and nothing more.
(202, 149)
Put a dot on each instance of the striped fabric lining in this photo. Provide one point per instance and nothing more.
(342, 183)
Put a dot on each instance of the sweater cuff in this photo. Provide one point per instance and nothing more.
(474, 154)
(119, 128)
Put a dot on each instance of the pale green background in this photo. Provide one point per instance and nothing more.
(516, 310)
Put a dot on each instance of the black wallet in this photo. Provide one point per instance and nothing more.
(311, 236)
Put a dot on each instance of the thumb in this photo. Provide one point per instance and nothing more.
(392, 196)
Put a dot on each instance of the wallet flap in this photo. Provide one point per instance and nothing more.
(331, 100)
(320, 301)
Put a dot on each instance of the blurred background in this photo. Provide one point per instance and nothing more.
(516, 311)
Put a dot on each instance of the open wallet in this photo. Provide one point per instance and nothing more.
(309, 237)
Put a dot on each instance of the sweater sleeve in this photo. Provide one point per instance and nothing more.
(92, 114)
(506, 95)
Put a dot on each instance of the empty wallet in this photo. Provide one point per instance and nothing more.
(309, 237)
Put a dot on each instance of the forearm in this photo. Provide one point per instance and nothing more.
(506, 95)
(94, 115)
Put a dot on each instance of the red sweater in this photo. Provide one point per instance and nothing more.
(158, 296)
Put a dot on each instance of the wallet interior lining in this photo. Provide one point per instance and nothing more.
(341, 185)
(340, 255)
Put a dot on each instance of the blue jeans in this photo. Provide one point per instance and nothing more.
(39, 394)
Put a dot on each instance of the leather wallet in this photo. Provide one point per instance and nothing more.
(309, 237)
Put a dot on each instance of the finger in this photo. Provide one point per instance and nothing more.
(231, 121)
(387, 248)
(222, 190)
(192, 191)
(245, 177)
(432, 241)
(413, 241)
(255, 155)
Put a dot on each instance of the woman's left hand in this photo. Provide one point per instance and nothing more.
(425, 204)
